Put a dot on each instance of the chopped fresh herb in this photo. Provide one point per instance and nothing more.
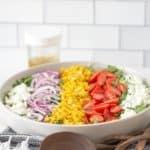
(58, 122)
(54, 99)
(91, 67)
(117, 115)
(130, 108)
(112, 68)
(140, 108)
(123, 80)
(6, 95)
(122, 111)
(61, 82)
(16, 83)
(120, 74)
(58, 100)
(115, 83)
(146, 84)
(49, 114)
(26, 80)
(130, 93)
(123, 96)
(117, 71)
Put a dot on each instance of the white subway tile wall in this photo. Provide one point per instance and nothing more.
(12, 60)
(76, 55)
(110, 31)
(21, 11)
(8, 35)
(69, 11)
(135, 38)
(115, 12)
(93, 37)
(125, 58)
(148, 12)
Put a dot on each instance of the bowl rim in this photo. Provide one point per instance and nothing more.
(65, 125)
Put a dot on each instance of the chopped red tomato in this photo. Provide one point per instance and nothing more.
(101, 79)
(106, 114)
(112, 105)
(109, 74)
(85, 120)
(96, 119)
(109, 94)
(116, 109)
(105, 91)
(98, 96)
(89, 105)
(110, 81)
(114, 90)
(96, 101)
(101, 107)
(122, 87)
(112, 118)
(94, 77)
(97, 89)
(91, 112)
(112, 101)
(92, 86)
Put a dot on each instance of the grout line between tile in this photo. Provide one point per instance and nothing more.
(119, 37)
(44, 2)
(144, 58)
(68, 36)
(17, 35)
(145, 12)
(94, 12)
(8, 47)
(104, 49)
(121, 0)
(74, 24)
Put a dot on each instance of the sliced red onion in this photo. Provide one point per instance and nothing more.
(36, 116)
(45, 95)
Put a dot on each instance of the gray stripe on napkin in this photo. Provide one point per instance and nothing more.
(33, 142)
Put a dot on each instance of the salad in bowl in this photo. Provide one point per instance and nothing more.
(76, 97)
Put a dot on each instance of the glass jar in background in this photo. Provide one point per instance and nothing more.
(42, 50)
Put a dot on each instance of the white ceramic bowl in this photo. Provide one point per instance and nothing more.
(94, 131)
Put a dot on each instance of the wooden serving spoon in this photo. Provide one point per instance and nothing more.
(67, 141)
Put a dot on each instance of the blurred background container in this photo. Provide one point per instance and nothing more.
(43, 50)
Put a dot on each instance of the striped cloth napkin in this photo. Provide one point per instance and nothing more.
(10, 140)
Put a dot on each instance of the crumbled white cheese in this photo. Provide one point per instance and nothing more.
(137, 95)
(128, 113)
(17, 98)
